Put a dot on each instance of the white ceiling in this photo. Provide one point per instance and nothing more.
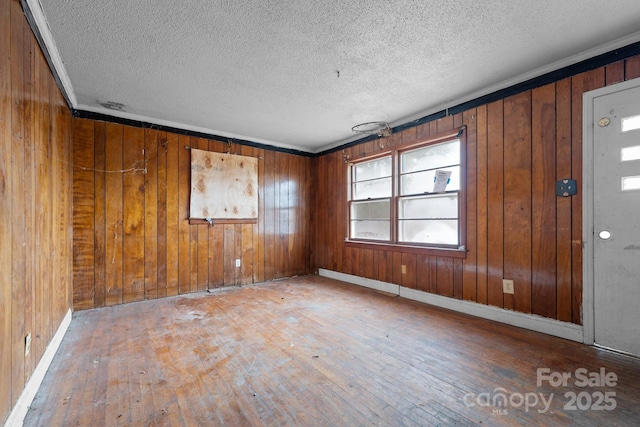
(300, 73)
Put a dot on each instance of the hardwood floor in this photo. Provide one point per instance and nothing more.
(312, 351)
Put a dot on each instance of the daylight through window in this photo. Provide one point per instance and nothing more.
(408, 196)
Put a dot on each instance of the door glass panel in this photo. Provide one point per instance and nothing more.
(628, 154)
(630, 123)
(630, 183)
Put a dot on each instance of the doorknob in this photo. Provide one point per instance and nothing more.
(604, 235)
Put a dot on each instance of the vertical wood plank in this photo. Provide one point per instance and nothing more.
(444, 281)
(563, 204)
(161, 218)
(48, 136)
(614, 73)
(495, 189)
(517, 200)
(202, 242)
(134, 218)
(100, 238)
(247, 248)
(6, 226)
(339, 223)
(229, 254)
(384, 274)
(410, 262)
(422, 273)
(367, 263)
(30, 188)
(83, 214)
(258, 237)
(269, 216)
(458, 268)
(150, 255)
(632, 68)
(283, 215)
(482, 205)
(469, 279)
(173, 214)
(18, 265)
(397, 269)
(543, 203)
(114, 215)
(184, 251)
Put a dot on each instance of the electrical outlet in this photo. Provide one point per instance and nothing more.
(507, 286)
(237, 263)
(27, 344)
(404, 269)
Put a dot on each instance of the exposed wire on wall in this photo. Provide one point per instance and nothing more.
(133, 169)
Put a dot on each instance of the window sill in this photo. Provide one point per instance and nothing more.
(421, 250)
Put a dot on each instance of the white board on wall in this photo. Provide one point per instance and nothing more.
(223, 186)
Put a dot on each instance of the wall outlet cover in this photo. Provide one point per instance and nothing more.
(507, 286)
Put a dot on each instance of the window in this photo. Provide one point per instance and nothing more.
(409, 196)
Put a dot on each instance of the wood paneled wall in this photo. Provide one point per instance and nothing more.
(35, 204)
(516, 227)
(132, 238)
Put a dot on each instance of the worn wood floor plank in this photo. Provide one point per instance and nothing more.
(311, 351)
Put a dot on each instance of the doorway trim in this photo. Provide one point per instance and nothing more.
(588, 283)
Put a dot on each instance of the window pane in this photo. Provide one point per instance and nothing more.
(630, 183)
(372, 169)
(444, 232)
(630, 153)
(431, 157)
(372, 189)
(378, 209)
(422, 182)
(630, 123)
(373, 230)
(431, 207)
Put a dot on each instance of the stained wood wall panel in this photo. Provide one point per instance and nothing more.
(543, 202)
(516, 227)
(563, 205)
(132, 237)
(35, 200)
(517, 200)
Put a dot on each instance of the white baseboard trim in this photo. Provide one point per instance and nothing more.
(16, 417)
(532, 322)
(361, 281)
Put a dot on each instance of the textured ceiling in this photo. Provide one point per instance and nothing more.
(299, 74)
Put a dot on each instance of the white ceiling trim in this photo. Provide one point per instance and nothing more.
(35, 8)
(167, 123)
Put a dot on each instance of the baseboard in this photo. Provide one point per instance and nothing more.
(361, 281)
(532, 322)
(19, 411)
